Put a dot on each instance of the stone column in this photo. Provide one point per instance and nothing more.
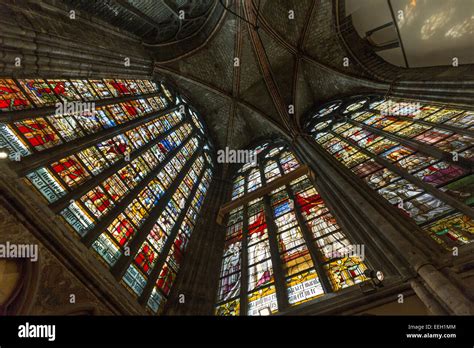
(199, 275)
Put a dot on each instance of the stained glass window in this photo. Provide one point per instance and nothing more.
(84, 89)
(308, 245)
(253, 180)
(38, 133)
(145, 180)
(416, 155)
(71, 171)
(39, 91)
(288, 162)
(272, 171)
(101, 88)
(11, 97)
(64, 90)
(239, 187)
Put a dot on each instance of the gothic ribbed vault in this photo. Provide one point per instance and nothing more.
(249, 70)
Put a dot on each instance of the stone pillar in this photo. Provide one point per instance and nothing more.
(427, 298)
(195, 290)
(393, 243)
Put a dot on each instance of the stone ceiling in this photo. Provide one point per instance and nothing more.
(303, 58)
(155, 22)
(282, 61)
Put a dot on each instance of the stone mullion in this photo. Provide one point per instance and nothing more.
(64, 201)
(36, 112)
(155, 273)
(40, 159)
(244, 271)
(404, 174)
(429, 150)
(278, 273)
(315, 253)
(122, 264)
(92, 235)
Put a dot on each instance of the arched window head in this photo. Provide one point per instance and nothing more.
(271, 161)
(283, 246)
(416, 155)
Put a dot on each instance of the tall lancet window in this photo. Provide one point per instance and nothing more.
(283, 246)
(125, 163)
(416, 155)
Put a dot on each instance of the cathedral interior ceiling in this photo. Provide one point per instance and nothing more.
(303, 57)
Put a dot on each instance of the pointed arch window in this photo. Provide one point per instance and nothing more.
(285, 247)
(127, 175)
(416, 155)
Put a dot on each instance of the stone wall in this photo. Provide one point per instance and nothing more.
(40, 39)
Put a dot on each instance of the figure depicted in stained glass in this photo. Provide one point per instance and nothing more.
(71, 171)
(122, 230)
(41, 93)
(145, 257)
(166, 279)
(231, 266)
(261, 272)
(11, 98)
(38, 133)
(64, 90)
